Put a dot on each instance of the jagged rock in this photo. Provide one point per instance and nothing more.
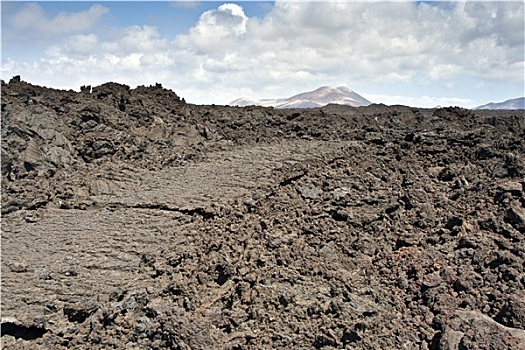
(513, 312)
(516, 216)
(467, 328)
(79, 312)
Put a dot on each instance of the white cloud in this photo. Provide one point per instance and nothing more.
(216, 31)
(134, 42)
(32, 20)
(79, 45)
(296, 47)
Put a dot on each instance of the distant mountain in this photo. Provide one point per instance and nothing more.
(515, 103)
(317, 98)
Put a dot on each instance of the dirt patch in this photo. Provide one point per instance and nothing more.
(131, 219)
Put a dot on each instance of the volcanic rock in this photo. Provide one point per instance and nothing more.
(131, 219)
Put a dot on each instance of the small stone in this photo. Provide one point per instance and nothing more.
(406, 241)
(309, 193)
(511, 186)
(327, 339)
(50, 308)
(46, 276)
(402, 282)
(71, 271)
(432, 280)
(446, 175)
(417, 196)
(31, 219)
(450, 340)
(40, 320)
(339, 193)
(18, 267)
(117, 294)
(353, 335)
(453, 222)
(462, 284)
(466, 242)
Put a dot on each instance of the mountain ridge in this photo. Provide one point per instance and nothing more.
(319, 97)
(514, 103)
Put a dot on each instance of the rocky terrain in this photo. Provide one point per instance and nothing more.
(132, 220)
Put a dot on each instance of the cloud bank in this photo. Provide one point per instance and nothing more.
(439, 48)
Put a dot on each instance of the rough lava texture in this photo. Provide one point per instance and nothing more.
(131, 219)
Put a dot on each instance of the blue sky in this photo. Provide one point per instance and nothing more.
(415, 53)
(171, 18)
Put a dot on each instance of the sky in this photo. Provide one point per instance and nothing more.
(415, 53)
